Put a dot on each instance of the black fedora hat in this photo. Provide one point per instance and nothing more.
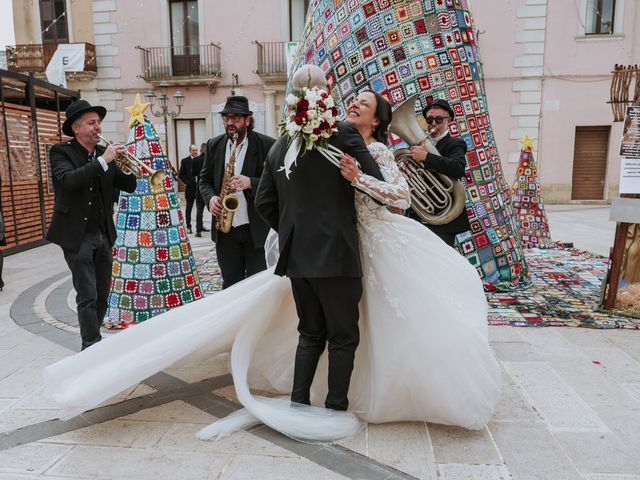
(440, 103)
(76, 109)
(237, 104)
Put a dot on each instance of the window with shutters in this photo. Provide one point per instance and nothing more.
(600, 17)
(185, 34)
(53, 21)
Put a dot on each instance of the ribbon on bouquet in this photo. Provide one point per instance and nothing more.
(330, 152)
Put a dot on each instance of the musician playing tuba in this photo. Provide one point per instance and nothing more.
(240, 239)
(446, 155)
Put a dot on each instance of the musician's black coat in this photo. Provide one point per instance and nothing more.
(73, 182)
(313, 211)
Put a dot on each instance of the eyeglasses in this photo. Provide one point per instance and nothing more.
(438, 120)
(231, 118)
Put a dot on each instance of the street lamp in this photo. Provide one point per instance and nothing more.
(163, 111)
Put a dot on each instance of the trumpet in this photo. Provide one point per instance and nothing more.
(129, 163)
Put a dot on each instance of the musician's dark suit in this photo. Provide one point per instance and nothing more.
(314, 214)
(82, 224)
(451, 162)
(241, 251)
(189, 174)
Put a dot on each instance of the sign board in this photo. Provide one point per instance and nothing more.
(630, 152)
(68, 57)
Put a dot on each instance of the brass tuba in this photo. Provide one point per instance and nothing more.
(437, 199)
(131, 164)
(230, 201)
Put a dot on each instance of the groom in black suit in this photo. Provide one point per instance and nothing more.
(314, 214)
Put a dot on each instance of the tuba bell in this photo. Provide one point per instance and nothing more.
(437, 199)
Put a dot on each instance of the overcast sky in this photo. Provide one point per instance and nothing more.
(6, 24)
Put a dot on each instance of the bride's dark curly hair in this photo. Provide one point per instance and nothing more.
(383, 114)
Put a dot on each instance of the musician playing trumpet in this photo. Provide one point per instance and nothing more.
(240, 234)
(442, 153)
(84, 177)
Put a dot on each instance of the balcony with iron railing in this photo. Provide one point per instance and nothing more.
(34, 58)
(272, 62)
(189, 65)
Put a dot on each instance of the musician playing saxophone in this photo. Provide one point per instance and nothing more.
(241, 250)
(443, 154)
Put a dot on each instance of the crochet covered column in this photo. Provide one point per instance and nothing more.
(153, 268)
(527, 200)
(403, 47)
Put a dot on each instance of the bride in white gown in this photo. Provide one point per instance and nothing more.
(423, 354)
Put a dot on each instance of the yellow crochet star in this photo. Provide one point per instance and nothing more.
(527, 143)
(137, 111)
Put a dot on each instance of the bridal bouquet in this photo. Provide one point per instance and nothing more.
(311, 117)
(310, 122)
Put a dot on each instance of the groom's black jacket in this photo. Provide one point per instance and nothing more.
(313, 211)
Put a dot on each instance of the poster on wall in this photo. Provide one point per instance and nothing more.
(630, 152)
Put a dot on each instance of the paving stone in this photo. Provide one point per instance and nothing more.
(32, 458)
(599, 453)
(618, 365)
(15, 338)
(516, 352)
(624, 423)
(357, 443)
(245, 468)
(139, 464)
(192, 375)
(531, 453)
(625, 340)
(458, 445)
(181, 437)
(473, 472)
(14, 418)
(632, 389)
(549, 341)
(598, 476)
(174, 412)
(6, 403)
(404, 446)
(503, 333)
(514, 407)
(558, 404)
(116, 433)
(585, 339)
(590, 381)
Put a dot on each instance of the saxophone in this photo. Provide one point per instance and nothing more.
(230, 201)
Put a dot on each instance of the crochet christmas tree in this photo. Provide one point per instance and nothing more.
(527, 201)
(428, 47)
(153, 268)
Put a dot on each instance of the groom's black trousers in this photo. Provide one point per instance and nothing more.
(328, 312)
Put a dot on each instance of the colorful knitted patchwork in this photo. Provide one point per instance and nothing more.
(403, 47)
(527, 203)
(153, 266)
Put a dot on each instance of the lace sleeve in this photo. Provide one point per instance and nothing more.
(394, 191)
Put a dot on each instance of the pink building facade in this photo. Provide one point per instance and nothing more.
(547, 67)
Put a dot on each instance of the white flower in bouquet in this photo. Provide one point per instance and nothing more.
(292, 99)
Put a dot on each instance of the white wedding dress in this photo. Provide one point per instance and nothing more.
(423, 354)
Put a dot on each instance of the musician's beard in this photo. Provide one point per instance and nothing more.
(241, 132)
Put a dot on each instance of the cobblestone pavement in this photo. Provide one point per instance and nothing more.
(570, 407)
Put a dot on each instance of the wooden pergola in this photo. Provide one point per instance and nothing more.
(31, 118)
